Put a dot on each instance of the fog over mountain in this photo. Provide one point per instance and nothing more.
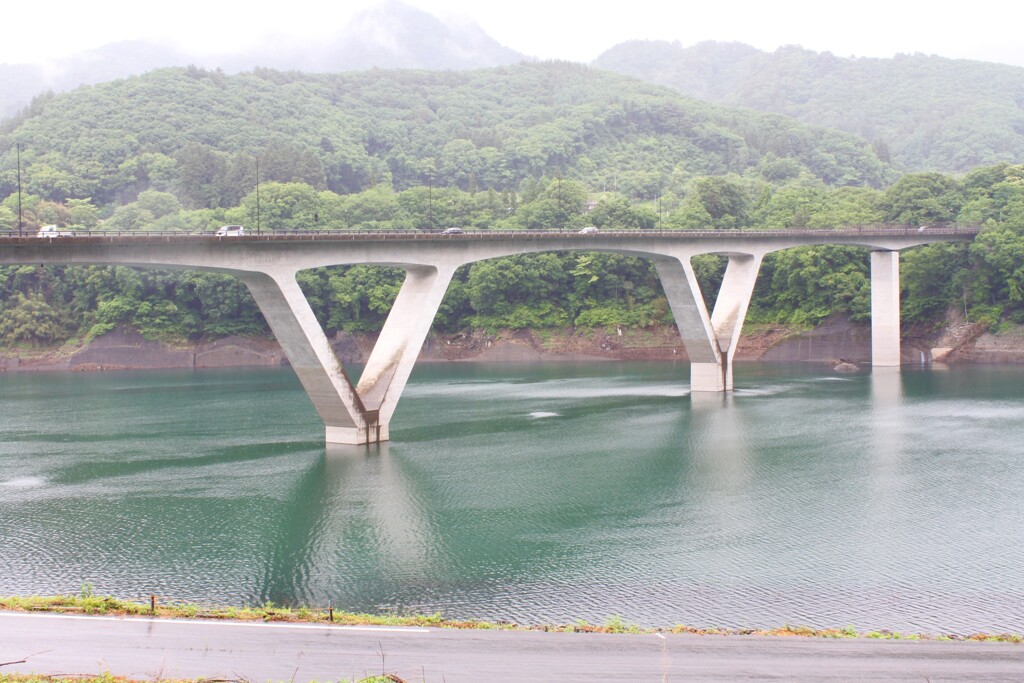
(391, 35)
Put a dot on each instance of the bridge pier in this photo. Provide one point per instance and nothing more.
(351, 414)
(296, 328)
(731, 307)
(398, 346)
(710, 341)
(698, 336)
(885, 308)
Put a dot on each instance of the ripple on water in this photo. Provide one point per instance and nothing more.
(24, 482)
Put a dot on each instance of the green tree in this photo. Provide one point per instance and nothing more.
(363, 296)
(82, 212)
(201, 172)
(804, 285)
(158, 204)
(377, 207)
(934, 277)
(561, 204)
(288, 162)
(723, 198)
(283, 206)
(922, 198)
(519, 291)
(131, 217)
(29, 319)
(616, 213)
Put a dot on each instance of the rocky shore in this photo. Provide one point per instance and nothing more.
(835, 341)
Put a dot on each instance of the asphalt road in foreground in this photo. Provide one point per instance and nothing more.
(164, 648)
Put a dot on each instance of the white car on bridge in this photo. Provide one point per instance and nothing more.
(53, 231)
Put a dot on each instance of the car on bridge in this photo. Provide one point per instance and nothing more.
(589, 230)
(452, 231)
(230, 231)
(53, 231)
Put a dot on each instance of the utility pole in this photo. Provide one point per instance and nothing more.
(558, 192)
(257, 195)
(20, 234)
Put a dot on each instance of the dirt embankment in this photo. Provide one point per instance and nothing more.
(834, 340)
(125, 349)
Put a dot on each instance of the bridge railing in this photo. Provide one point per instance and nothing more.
(875, 229)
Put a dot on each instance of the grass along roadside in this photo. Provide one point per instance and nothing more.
(87, 603)
(109, 678)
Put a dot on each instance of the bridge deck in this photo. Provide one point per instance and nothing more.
(93, 236)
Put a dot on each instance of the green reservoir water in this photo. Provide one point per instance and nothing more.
(540, 493)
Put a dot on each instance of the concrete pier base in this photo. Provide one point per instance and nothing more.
(356, 436)
(707, 377)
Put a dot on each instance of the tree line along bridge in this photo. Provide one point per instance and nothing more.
(361, 413)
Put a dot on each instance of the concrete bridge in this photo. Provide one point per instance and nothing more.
(356, 414)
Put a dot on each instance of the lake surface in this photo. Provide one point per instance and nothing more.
(539, 493)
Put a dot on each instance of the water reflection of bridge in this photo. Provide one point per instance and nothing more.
(361, 413)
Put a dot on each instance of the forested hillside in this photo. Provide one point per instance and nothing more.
(197, 134)
(550, 145)
(924, 113)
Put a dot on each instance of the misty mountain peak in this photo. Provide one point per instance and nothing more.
(395, 34)
(391, 34)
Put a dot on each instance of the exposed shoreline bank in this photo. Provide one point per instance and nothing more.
(836, 340)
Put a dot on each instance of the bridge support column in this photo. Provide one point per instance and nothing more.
(731, 307)
(400, 341)
(710, 341)
(687, 304)
(322, 375)
(352, 415)
(885, 308)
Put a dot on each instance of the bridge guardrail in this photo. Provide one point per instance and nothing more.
(397, 234)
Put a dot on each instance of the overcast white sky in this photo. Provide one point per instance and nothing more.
(578, 31)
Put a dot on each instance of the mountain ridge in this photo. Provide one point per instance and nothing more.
(923, 112)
